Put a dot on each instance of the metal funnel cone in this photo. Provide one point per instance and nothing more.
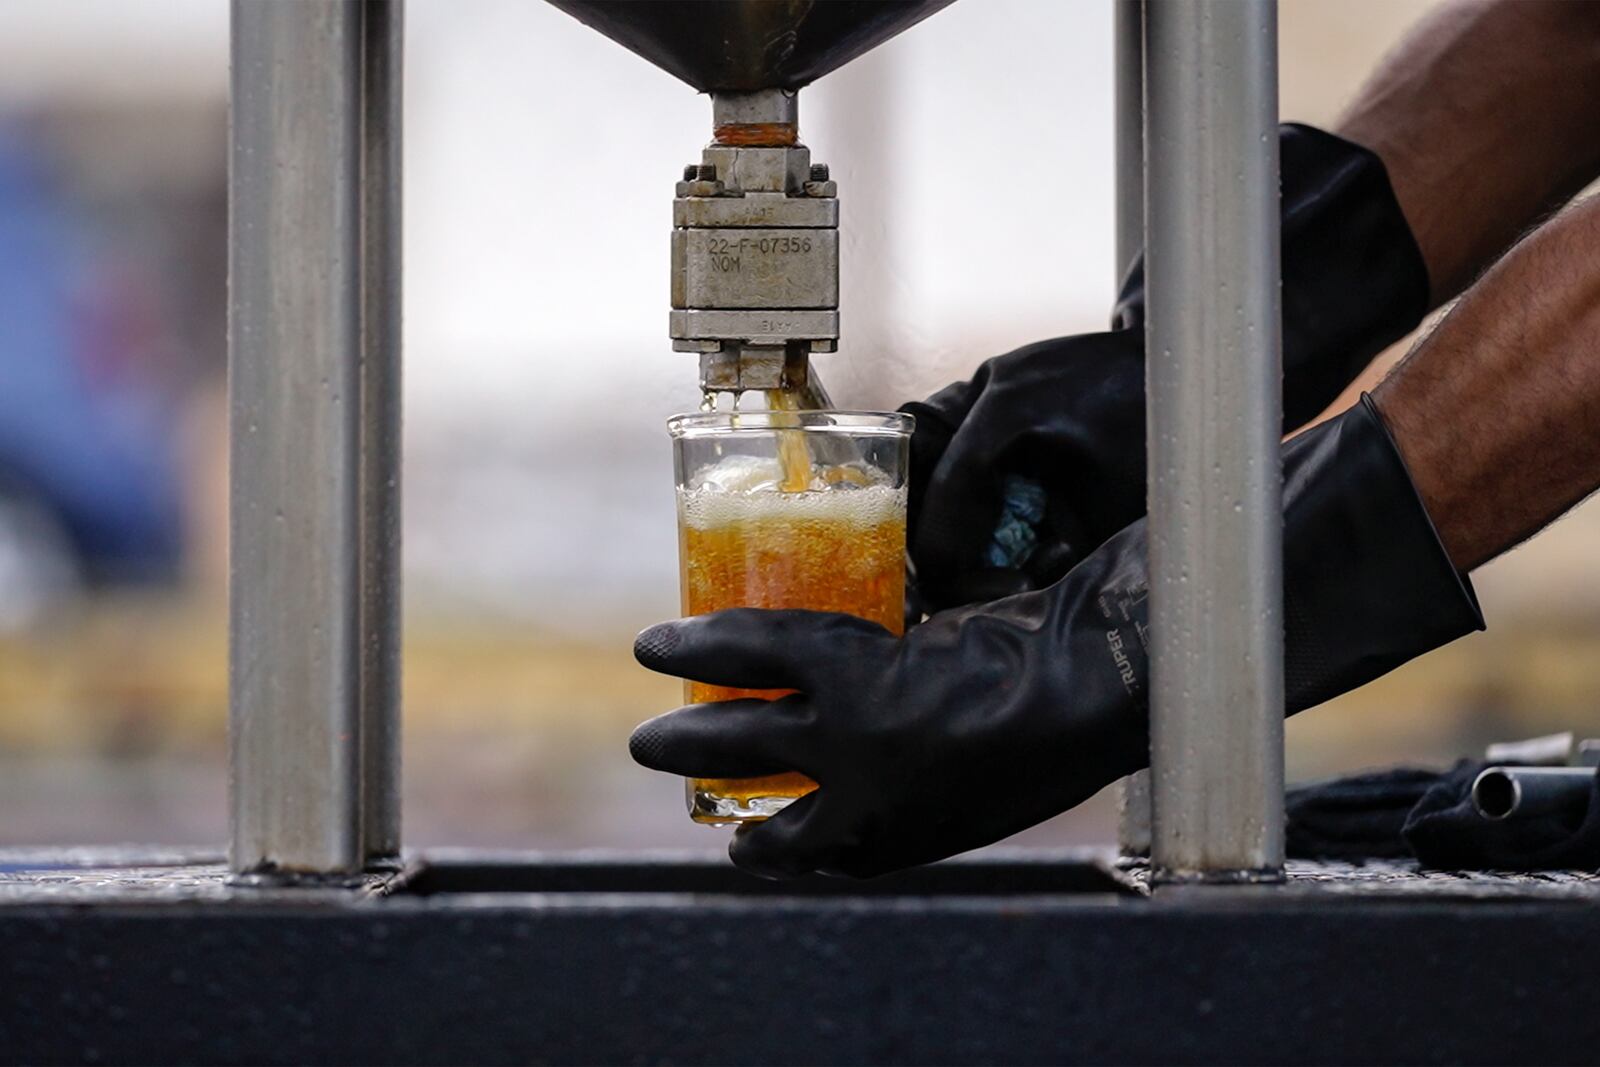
(745, 45)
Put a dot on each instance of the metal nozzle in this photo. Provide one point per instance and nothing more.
(739, 370)
(735, 370)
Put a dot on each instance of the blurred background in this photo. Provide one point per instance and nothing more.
(539, 526)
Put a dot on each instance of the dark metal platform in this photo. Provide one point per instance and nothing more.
(1027, 958)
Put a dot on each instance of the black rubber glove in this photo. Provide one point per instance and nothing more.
(1068, 415)
(986, 720)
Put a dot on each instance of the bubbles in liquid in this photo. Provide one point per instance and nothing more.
(744, 542)
(811, 525)
(765, 474)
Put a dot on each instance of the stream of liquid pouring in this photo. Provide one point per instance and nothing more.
(794, 456)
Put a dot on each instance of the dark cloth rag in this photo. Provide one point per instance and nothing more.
(1355, 818)
(1428, 814)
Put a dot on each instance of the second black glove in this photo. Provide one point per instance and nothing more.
(1024, 469)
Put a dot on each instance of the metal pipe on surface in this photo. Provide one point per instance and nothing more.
(1527, 792)
(1133, 792)
(1214, 407)
(314, 398)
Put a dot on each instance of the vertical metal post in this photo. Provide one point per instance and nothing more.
(1133, 792)
(314, 395)
(383, 29)
(1214, 395)
(1128, 99)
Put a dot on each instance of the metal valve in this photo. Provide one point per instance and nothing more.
(755, 249)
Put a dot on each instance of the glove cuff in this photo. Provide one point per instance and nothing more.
(1354, 280)
(1368, 584)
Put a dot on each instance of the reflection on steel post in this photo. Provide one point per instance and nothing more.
(1133, 792)
(1214, 395)
(314, 395)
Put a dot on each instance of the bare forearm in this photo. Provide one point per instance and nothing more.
(1497, 412)
(1485, 117)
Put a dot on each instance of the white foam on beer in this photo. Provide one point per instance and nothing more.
(744, 488)
(704, 509)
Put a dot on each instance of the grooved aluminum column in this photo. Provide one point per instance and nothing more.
(314, 393)
(1214, 395)
(1133, 792)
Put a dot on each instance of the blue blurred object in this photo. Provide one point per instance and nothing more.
(1016, 532)
(95, 449)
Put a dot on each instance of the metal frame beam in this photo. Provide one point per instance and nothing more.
(593, 959)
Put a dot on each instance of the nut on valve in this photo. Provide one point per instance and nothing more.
(699, 180)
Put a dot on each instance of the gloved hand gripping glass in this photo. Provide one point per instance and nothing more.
(988, 719)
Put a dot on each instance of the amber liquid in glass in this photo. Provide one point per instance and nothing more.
(824, 549)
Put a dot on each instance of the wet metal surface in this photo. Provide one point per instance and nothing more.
(126, 875)
(120, 876)
(104, 876)
(1403, 881)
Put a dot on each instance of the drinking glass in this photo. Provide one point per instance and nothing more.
(782, 509)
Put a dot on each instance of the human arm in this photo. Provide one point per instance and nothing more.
(1497, 410)
(1484, 116)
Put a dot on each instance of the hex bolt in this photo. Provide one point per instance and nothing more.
(690, 171)
(819, 172)
(705, 172)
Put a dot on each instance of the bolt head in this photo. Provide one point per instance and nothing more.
(819, 172)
